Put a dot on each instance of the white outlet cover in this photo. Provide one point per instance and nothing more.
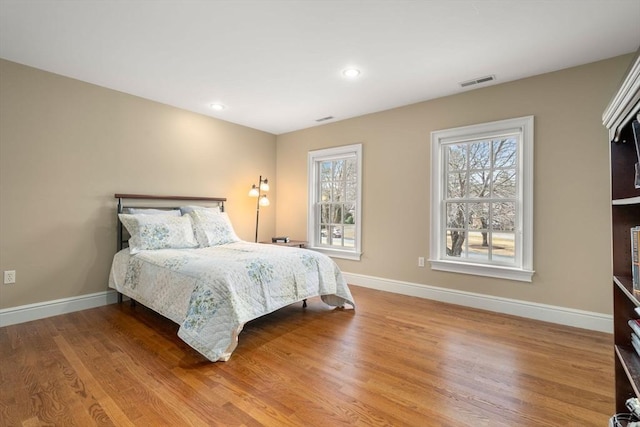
(9, 277)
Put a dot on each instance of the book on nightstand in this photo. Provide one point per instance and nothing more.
(283, 239)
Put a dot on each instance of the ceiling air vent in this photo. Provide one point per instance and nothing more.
(478, 81)
(324, 119)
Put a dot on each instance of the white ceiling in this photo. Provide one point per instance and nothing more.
(277, 65)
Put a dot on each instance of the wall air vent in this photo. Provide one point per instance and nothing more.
(478, 81)
(324, 119)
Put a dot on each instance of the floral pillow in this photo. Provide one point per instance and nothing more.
(158, 232)
(212, 228)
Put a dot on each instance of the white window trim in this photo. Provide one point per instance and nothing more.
(312, 235)
(524, 233)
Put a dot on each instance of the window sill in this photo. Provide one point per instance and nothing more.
(508, 273)
(337, 253)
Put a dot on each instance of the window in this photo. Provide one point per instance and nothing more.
(482, 199)
(335, 201)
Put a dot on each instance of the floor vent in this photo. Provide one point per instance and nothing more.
(324, 119)
(478, 81)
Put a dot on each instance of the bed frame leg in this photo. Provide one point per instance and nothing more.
(131, 301)
(304, 303)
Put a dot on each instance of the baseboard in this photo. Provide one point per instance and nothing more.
(548, 313)
(27, 313)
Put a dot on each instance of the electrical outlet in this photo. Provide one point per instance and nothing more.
(421, 261)
(9, 277)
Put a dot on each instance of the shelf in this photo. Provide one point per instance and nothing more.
(623, 217)
(626, 201)
(625, 214)
(630, 364)
(626, 284)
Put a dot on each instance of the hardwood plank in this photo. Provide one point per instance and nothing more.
(110, 411)
(397, 360)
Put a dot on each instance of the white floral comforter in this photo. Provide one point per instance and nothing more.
(212, 292)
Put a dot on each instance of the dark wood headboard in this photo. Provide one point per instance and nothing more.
(143, 201)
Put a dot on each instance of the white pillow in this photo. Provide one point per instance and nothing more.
(212, 228)
(158, 232)
(186, 209)
(150, 211)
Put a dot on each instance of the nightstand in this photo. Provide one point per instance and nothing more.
(291, 243)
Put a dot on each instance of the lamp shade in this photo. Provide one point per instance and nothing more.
(264, 185)
(254, 192)
(264, 201)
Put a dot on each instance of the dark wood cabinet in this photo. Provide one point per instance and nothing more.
(625, 214)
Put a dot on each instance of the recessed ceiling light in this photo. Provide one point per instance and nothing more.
(351, 73)
(218, 106)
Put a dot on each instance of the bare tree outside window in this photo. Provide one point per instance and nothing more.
(339, 179)
(481, 199)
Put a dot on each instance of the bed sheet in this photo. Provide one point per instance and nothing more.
(212, 292)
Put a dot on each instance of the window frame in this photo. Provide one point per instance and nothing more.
(315, 157)
(523, 271)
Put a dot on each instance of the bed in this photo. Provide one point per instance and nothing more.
(183, 260)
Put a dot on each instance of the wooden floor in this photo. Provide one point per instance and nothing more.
(395, 361)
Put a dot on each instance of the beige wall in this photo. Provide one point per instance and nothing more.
(66, 147)
(571, 216)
